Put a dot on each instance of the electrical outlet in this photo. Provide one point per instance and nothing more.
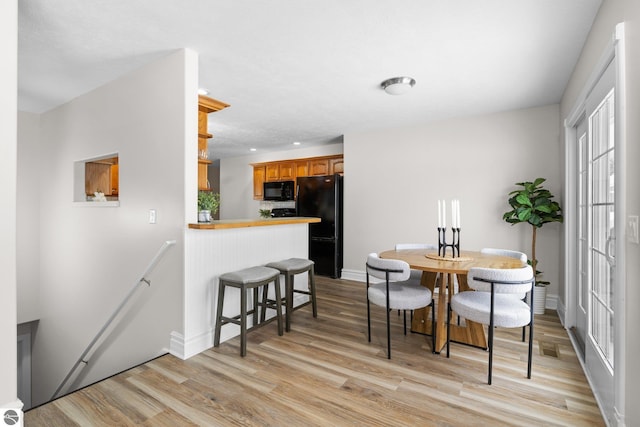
(152, 216)
(632, 229)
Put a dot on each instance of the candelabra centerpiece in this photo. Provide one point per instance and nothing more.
(443, 245)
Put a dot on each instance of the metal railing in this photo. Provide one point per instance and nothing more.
(166, 245)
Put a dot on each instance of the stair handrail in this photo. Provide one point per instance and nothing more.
(166, 245)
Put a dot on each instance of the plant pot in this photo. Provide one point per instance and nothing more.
(539, 299)
(204, 216)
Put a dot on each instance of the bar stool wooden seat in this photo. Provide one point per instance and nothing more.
(248, 279)
(289, 268)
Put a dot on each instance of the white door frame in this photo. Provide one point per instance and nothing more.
(567, 312)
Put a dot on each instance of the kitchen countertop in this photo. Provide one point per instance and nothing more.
(258, 222)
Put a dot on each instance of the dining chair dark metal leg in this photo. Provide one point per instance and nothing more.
(405, 321)
(312, 281)
(368, 311)
(529, 361)
(491, 328)
(433, 326)
(448, 326)
(388, 321)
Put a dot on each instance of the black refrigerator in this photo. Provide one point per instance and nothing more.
(321, 196)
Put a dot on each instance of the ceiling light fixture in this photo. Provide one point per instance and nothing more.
(203, 91)
(397, 85)
(296, 143)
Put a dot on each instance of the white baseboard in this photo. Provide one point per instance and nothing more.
(355, 275)
(551, 301)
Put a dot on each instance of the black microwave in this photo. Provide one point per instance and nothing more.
(279, 191)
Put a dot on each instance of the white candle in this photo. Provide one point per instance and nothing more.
(439, 213)
(444, 214)
(453, 213)
(458, 213)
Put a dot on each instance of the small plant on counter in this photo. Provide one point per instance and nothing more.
(265, 209)
(208, 204)
(265, 213)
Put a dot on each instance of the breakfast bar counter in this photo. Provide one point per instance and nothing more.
(259, 222)
(212, 249)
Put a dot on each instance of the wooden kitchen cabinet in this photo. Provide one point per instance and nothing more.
(280, 171)
(258, 180)
(290, 170)
(206, 105)
(302, 168)
(287, 171)
(102, 176)
(272, 172)
(336, 165)
(319, 167)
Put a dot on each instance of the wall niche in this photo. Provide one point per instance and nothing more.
(96, 180)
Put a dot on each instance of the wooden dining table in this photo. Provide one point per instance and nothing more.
(441, 272)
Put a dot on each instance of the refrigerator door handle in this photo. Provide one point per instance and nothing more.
(323, 239)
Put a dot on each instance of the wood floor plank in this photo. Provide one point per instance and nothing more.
(325, 372)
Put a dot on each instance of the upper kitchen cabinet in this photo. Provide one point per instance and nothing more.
(319, 167)
(258, 179)
(302, 167)
(336, 165)
(280, 171)
(289, 170)
(206, 106)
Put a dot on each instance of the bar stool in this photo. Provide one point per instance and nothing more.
(248, 279)
(289, 268)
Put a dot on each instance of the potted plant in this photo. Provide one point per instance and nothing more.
(208, 203)
(534, 205)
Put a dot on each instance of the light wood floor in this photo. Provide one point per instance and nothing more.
(325, 373)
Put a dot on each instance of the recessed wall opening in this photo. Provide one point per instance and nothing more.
(97, 179)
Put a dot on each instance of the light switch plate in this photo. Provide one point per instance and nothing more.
(632, 229)
(152, 216)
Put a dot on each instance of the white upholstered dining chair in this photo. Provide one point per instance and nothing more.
(516, 255)
(396, 291)
(492, 303)
(415, 274)
(506, 252)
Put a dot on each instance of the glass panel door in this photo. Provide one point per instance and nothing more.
(601, 288)
(582, 233)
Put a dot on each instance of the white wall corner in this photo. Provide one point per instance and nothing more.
(185, 348)
(562, 311)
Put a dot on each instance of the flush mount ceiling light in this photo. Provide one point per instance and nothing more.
(397, 85)
(203, 91)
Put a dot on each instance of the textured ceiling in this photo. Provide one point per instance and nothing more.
(310, 71)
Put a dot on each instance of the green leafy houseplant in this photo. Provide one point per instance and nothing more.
(533, 204)
(265, 213)
(208, 201)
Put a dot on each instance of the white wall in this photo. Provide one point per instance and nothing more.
(8, 102)
(611, 13)
(395, 178)
(236, 178)
(28, 224)
(90, 257)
